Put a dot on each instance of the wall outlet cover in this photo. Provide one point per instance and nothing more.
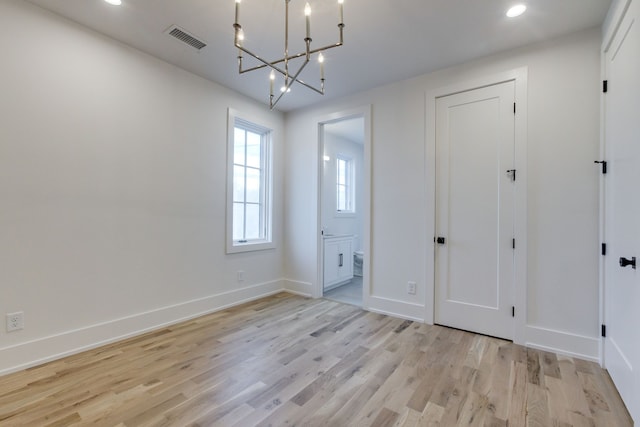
(15, 321)
(411, 288)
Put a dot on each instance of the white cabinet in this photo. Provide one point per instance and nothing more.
(338, 260)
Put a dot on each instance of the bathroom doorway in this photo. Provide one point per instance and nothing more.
(344, 208)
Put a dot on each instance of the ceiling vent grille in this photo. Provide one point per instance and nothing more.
(185, 37)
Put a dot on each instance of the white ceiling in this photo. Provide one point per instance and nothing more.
(384, 40)
(349, 129)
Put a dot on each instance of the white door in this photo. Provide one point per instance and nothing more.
(475, 210)
(622, 209)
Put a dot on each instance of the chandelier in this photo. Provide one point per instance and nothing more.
(282, 65)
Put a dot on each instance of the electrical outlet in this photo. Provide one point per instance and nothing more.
(15, 321)
(411, 288)
(240, 276)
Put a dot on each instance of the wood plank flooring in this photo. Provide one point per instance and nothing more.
(292, 361)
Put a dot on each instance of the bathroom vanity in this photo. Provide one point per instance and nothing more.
(338, 260)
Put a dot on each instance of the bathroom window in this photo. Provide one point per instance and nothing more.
(249, 192)
(345, 190)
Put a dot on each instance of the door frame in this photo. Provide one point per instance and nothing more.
(519, 293)
(358, 112)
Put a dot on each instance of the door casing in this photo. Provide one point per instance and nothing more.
(365, 113)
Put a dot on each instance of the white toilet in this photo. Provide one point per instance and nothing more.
(358, 257)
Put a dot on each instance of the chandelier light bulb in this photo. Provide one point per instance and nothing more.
(237, 11)
(307, 13)
(272, 77)
(321, 58)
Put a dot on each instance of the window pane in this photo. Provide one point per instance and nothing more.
(342, 198)
(249, 173)
(238, 183)
(254, 145)
(253, 221)
(238, 221)
(253, 185)
(238, 146)
(342, 171)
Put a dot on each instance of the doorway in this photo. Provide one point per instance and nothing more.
(343, 208)
(475, 210)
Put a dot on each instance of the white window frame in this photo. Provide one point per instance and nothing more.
(349, 184)
(236, 119)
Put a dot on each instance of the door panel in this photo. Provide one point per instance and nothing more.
(475, 209)
(622, 210)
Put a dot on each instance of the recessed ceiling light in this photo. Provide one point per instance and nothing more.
(516, 10)
(114, 2)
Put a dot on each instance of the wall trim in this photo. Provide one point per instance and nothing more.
(565, 343)
(35, 352)
(297, 287)
(396, 308)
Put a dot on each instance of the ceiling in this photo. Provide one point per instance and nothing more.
(384, 40)
(349, 129)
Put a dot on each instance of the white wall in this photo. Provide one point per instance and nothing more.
(563, 139)
(342, 224)
(112, 189)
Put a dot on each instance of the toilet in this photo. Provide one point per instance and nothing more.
(357, 263)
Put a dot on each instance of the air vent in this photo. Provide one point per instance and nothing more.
(185, 37)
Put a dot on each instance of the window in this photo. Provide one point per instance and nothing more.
(344, 185)
(249, 175)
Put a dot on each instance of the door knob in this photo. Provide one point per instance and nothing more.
(625, 262)
(440, 240)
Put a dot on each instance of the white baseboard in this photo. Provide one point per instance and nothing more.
(296, 287)
(24, 355)
(395, 308)
(563, 343)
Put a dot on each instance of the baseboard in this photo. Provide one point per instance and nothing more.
(395, 308)
(296, 287)
(563, 343)
(42, 350)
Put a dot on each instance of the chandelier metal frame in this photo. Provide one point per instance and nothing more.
(290, 77)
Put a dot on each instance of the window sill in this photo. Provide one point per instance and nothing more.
(345, 214)
(236, 247)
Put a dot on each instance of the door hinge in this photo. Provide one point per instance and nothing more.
(604, 165)
(513, 311)
(513, 243)
(605, 86)
(603, 330)
(514, 108)
(603, 249)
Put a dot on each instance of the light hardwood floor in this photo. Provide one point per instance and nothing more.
(287, 360)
